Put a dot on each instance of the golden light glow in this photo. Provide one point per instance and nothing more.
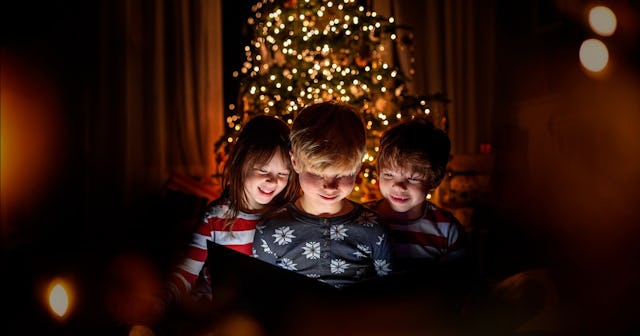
(594, 55)
(31, 133)
(602, 20)
(292, 61)
(59, 298)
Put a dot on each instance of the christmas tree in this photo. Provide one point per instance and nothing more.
(306, 51)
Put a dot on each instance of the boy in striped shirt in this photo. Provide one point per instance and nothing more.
(411, 164)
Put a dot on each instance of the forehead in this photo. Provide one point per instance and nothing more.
(331, 171)
(405, 169)
(266, 158)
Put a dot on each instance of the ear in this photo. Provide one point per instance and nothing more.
(294, 162)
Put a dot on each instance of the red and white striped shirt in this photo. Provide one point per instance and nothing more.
(437, 235)
(212, 228)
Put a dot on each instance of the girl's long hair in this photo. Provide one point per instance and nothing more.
(258, 141)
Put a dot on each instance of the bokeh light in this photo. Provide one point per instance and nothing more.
(32, 132)
(602, 20)
(594, 55)
(59, 298)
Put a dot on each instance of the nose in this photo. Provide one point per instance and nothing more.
(273, 178)
(400, 184)
(330, 183)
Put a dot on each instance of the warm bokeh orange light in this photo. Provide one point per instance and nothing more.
(602, 20)
(594, 55)
(59, 298)
(31, 132)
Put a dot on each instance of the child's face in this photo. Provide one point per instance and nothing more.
(264, 182)
(405, 190)
(324, 191)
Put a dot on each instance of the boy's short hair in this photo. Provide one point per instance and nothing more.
(416, 146)
(328, 134)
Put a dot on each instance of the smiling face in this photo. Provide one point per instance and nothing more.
(324, 192)
(404, 191)
(412, 162)
(263, 182)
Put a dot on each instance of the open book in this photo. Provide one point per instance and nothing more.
(277, 297)
(256, 279)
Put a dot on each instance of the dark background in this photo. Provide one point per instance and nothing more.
(80, 224)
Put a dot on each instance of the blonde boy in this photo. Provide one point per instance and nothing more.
(322, 234)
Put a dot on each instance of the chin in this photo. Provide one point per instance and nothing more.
(404, 207)
(400, 210)
(265, 200)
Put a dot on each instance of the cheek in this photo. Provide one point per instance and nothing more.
(348, 183)
(384, 185)
(249, 182)
(305, 180)
(251, 179)
(419, 190)
(282, 182)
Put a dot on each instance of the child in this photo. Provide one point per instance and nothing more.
(411, 164)
(322, 234)
(257, 178)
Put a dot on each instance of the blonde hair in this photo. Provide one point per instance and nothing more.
(328, 134)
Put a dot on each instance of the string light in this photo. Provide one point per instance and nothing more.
(306, 51)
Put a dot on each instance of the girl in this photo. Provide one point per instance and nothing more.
(257, 179)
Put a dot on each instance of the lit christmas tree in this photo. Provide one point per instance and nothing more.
(313, 50)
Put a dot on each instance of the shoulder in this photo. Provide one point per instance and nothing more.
(284, 212)
(440, 215)
(282, 216)
(361, 208)
(367, 217)
(217, 208)
(434, 209)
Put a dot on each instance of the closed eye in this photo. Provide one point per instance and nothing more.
(416, 179)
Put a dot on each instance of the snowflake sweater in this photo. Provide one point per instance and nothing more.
(338, 250)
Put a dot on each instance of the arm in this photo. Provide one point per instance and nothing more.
(456, 239)
(186, 272)
(153, 308)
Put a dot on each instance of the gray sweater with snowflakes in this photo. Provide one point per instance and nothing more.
(339, 250)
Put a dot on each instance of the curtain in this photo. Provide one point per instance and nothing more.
(452, 53)
(159, 107)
